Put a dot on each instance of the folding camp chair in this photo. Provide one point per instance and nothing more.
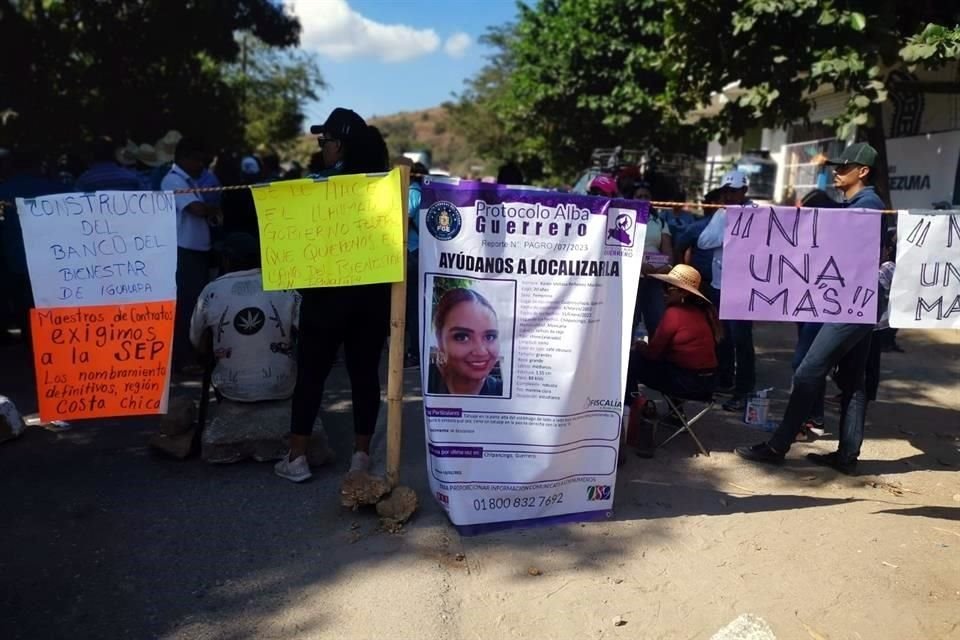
(675, 403)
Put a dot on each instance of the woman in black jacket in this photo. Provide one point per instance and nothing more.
(357, 317)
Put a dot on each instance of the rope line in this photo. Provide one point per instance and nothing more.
(655, 203)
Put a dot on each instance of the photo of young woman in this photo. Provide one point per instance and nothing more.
(467, 346)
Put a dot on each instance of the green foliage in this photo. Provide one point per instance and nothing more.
(272, 85)
(780, 51)
(400, 135)
(74, 69)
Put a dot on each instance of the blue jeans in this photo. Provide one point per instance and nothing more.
(848, 346)
(736, 358)
(651, 305)
(806, 333)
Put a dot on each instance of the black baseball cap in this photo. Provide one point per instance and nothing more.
(860, 153)
(341, 124)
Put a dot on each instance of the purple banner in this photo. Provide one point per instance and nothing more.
(800, 265)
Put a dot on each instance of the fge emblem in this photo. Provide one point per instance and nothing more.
(443, 220)
(598, 492)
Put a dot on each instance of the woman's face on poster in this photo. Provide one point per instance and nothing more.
(471, 341)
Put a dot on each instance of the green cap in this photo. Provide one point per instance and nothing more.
(859, 153)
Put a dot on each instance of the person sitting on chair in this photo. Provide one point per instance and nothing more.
(681, 358)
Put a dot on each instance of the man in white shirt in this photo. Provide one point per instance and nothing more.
(735, 354)
(193, 243)
(250, 331)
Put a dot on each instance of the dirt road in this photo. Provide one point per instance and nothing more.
(102, 539)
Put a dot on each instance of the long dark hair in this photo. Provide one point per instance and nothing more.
(451, 299)
(710, 313)
(365, 152)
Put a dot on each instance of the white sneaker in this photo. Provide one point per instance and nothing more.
(295, 471)
(360, 462)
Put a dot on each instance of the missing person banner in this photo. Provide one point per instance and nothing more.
(926, 284)
(333, 232)
(527, 305)
(108, 247)
(800, 265)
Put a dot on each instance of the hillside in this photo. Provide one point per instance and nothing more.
(430, 129)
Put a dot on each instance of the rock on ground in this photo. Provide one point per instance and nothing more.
(11, 422)
(397, 508)
(238, 431)
(746, 627)
(360, 488)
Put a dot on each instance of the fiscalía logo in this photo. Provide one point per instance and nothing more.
(598, 492)
(444, 220)
(602, 403)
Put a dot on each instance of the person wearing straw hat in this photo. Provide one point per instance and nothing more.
(681, 357)
(104, 173)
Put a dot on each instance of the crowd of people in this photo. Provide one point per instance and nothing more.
(226, 321)
(690, 353)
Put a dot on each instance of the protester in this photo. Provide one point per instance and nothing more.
(603, 186)
(737, 368)
(510, 173)
(148, 162)
(877, 345)
(270, 164)
(104, 173)
(814, 427)
(680, 359)
(355, 317)
(685, 244)
(468, 346)
(412, 357)
(193, 243)
(239, 210)
(26, 180)
(846, 346)
(657, 255)
(249, 332)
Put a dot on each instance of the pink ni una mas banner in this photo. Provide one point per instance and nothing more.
(800, 265)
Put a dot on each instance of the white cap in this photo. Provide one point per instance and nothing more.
(249, 166)
(735, 180)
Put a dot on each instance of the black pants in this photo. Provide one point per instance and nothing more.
(873, 365)
(667, 378)
(316, 352)
(193, 271)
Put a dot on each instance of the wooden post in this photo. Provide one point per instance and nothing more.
(398, 314)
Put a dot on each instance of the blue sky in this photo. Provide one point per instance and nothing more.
(384, 56)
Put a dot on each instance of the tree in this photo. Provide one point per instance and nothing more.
(781, 51)
(272, 85)
(570, 76)
(74, 69)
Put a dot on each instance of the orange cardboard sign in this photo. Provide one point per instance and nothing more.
(98, 362)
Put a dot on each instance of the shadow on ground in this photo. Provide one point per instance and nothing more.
(105, 539)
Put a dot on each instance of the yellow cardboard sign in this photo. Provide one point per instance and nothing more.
(335, 232)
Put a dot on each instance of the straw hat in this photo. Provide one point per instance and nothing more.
(147, 155)
(682, 276)
(127, 155)
(167, 145)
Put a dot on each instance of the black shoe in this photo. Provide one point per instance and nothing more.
(735, 404)
(833, 461)
(760, 453)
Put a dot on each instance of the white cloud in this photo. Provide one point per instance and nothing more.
(457, 44)
(332, 28)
